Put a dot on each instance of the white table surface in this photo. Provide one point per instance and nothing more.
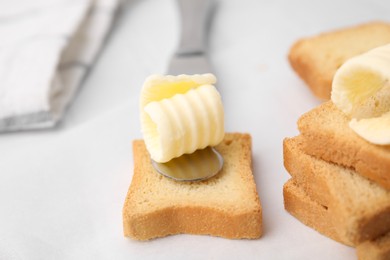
(62, 190)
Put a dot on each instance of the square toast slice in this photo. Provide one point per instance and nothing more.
(226, 205)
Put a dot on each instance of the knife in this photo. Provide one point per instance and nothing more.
(190, 56)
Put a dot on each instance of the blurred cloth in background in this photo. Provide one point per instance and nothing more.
(46, 48)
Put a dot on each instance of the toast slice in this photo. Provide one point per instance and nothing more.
(226, 205)
(316, 59)
(310, 212)
(329, 137)
(360, 209)
(316, 216)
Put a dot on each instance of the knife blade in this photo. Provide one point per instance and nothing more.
(190, 56)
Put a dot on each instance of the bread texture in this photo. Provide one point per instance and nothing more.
(226, 205)
(316, 59)
(359, 208)
(309, 212)
(378, 249)
(328, 137)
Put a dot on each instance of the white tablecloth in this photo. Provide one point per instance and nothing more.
(62, 190)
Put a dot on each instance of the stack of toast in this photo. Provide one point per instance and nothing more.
(340, 183)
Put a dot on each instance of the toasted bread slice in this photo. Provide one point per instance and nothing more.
(316, 59)
(316, 216)
(360, 208)
(310, 212)
(226, 205)
(329, 137)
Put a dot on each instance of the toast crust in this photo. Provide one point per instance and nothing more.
(226, 205)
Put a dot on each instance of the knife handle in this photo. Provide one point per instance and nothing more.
(194, 18)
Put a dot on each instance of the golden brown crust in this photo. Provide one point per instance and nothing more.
(329, 137)
(316, 59)
(309, 212)
(226, 205)
(193, 220)
(360, 209)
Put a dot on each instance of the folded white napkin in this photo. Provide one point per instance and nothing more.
(46, 48)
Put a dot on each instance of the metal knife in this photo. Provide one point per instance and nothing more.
(190, 56)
